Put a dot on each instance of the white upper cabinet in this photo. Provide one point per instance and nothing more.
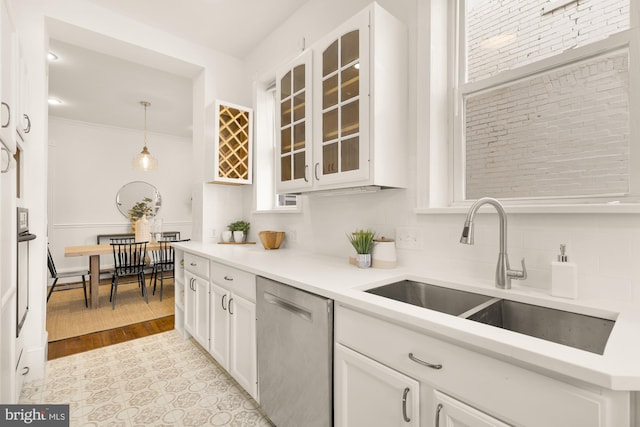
(359, 109)
(232, 142)
(293, 125)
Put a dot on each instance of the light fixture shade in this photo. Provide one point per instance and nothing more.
(145, 161)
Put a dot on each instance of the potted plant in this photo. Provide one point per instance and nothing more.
(139, 210)
(362, 242)
(240, 230)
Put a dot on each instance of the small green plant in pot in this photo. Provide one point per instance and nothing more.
(240, 230)
(362, 242)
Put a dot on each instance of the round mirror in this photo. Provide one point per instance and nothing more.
(137, 198)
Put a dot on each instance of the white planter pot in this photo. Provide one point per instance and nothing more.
(226, 235)
(238, 236)
(363, 260)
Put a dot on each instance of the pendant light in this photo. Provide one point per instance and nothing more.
(145, 161)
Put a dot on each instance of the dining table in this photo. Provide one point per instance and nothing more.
(94, 252)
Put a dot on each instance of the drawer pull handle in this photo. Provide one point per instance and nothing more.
(423, 363)
(229, 278)
(404, 405)
(193, 264)
(25, 370)
(438, 409)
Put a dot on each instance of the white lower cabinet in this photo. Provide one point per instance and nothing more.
(197, 308)
(371, 394)
(458, 386)
(233, 324)
(453, 413)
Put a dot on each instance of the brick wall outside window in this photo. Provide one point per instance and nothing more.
(560, 133)
(505, 34)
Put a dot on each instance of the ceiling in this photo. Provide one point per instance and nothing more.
(105, 89)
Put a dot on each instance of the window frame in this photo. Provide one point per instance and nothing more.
(440, 137)
(265, 198)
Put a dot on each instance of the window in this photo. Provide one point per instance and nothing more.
(543, 101)
(265, 194)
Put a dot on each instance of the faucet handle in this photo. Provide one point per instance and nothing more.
(518, 275)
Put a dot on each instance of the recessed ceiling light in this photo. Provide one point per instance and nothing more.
(54, 101)
(52, 56)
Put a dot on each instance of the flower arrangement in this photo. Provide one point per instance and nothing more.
(362, 241)
(139, 209)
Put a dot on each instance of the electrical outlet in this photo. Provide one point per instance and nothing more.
(213, 233)
(291, 235)
(408, 238)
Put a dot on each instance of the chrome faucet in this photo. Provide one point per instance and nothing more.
(504, 274)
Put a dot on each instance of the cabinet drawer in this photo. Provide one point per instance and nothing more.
(506, 391)
(237, 281)
(196, 265)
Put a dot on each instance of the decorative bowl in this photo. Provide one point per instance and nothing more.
(271, 239)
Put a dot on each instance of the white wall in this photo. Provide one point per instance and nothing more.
(605, 246)
(89, 163)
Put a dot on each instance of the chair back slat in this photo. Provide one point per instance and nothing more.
(129, 258)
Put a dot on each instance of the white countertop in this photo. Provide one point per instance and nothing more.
(617, 369)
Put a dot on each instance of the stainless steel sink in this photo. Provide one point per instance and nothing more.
(438, 298)
(562, 327)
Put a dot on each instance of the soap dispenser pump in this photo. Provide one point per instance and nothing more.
(564, 276)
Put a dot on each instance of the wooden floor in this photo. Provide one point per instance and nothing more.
(113, 336)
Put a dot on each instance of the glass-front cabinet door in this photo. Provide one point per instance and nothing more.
(293, 125)
(341, 152)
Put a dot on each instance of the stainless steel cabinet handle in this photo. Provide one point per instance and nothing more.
(438, 409)
(306, 168)
(25, 370)
(315, 171)
(28, 128)
(229, 278)
(4, 104)
(404, 405)
(286, 305)
(230, 301)
(423, 363)
(193, 264)
(222, 301)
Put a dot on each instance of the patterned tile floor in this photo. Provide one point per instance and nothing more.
(159, 380)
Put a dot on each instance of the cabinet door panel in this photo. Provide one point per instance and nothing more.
(243, 357)
(341, 150)
(368, 393)
(189, 302)
(219, 347)
(293, 125)
(201, 321)
(453, 413)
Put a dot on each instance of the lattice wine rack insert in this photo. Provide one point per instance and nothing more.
(233, 144)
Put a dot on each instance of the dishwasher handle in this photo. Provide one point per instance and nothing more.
(289, 306)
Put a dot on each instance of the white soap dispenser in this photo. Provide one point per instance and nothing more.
(564, 276)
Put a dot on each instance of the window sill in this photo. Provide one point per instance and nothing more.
(595, 208)
(295, 210)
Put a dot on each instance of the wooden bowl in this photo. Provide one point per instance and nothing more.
(271, 239)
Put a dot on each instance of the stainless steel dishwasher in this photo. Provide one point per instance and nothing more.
(295, 355)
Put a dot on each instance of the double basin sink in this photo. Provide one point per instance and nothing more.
(575, 330)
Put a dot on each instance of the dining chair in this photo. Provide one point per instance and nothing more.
(163, 262)
(129, 260)
(56, 276)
